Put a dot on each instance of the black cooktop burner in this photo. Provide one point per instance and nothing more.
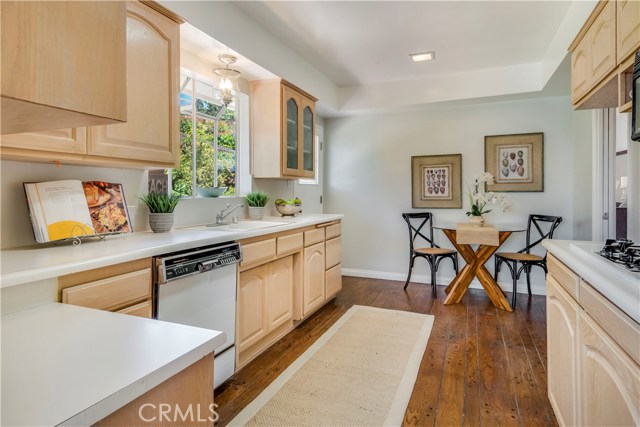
(622, 252)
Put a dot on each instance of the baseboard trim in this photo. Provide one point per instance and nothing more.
(536, 289)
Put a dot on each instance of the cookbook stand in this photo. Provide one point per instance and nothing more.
(77, 240)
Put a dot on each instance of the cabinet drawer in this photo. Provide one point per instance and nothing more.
(624, 330)
(333, 231)
(258, 251)
(333, 252)
(112, 292)
(290, 243)
(333, 280)
(141, 310)
(312, 237)
(567, 278)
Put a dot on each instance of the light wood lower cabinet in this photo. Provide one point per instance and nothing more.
(333, 280)
(279, 292)
(562, 344)
(123, 288)
(252, 322)
(313, 294)
(265, 301)
(592, 355)
(609, 380)
(190, 388)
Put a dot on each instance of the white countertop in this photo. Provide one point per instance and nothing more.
(618, 285)
(24, 265)
(74, 365)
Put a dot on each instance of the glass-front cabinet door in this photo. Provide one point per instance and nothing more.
(291, 125)
(307, 140)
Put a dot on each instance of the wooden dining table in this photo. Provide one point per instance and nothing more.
(475, 259)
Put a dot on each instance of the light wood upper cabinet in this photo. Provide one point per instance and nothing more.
(35, 144)
(313, 291)
(606, 42)
(282, 130)
(602, 43)
(63, 64)
(628, 28)
(151, 133)
(562, 344)
(609, 379)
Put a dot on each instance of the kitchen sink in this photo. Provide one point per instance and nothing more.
(240, 226)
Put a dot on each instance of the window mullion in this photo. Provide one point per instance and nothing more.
(194, 133)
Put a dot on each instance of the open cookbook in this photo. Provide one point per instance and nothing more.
(71, 208)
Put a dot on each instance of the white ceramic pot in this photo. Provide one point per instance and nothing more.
(161, 222)
(256, 213)
(476, 221)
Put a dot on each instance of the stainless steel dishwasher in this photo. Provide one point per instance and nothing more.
(197, 287)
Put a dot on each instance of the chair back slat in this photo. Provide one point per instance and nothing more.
(540, 222)
(416, 222)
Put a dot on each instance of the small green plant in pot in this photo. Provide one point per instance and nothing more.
(161, 206)
(256, 200)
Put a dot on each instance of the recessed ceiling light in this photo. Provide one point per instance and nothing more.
(423, 56)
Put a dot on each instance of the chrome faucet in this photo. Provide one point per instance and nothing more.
(223, 212)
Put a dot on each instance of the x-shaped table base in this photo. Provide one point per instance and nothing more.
(475, 268)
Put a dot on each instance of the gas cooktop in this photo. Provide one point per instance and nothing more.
(623, 252)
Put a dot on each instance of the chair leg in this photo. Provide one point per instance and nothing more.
(410, 270)
(432, 262)
(514, 276)
(455, 263)
(496, 268)
(528, 272)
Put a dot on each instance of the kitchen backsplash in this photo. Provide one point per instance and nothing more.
(15, 226)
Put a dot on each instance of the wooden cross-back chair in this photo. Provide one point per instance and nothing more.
(431, 252)
(524, 260)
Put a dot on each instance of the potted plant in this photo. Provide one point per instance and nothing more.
(256, 200)
(478, 199)
(161, 206)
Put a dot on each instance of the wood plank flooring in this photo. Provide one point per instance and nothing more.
(482, 366)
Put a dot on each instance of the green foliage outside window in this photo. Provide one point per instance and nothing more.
(205, 152)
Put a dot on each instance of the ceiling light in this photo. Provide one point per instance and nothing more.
(228, 78)
(423, 56)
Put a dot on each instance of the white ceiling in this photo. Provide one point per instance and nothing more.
(365, 42)
(354, 55)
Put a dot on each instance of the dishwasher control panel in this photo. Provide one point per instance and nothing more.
(195, 261)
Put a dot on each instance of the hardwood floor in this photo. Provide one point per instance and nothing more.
(482, 366)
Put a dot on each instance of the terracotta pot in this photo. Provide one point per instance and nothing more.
(161, 222)
(476, 221)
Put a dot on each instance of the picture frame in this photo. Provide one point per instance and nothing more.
(516, 162)
(436, 181)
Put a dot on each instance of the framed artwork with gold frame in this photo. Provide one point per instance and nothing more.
(436, 181)
(515, 161)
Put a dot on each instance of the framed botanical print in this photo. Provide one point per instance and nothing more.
(515, 161)
(436, 181)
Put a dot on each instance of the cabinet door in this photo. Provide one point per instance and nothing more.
(307, 147)
(252, 325)
(313, 284)
(628, 27)
(609, 379)
(63, 64)
(291, 110)
(333, 280)
(580, 70)
(151, 132)
(70, 141)
(602, 36)
(279, 292)
(562, 337)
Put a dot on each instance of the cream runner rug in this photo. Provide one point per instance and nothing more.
(361, 372)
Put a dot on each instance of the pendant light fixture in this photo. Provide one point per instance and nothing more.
(228, 78)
